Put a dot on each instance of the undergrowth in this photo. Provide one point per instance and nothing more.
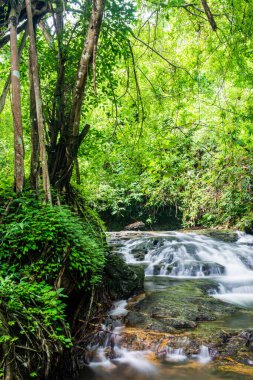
(46, 254)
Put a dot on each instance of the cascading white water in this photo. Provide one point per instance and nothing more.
(190, 255)
(204, 355)
(119, 309)
(175, 355)
(110, 341)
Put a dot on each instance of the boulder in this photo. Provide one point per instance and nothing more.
(137, 226)
(193, 268)
(123, 280)
(139, 254)
(180, 306)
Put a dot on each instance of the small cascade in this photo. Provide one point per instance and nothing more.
(135, 359)
(119, 309)
(204, 355)
(101, 361)
(107, 353)
(244, 238)
(177, 256)
(191, 255)
(178, 355)
(175, 355)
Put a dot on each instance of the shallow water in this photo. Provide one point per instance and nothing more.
(173, 371)
(238, 320)
(234, 322)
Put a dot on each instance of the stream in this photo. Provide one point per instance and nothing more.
(195, 286)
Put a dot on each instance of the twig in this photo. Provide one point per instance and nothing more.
(160, 55)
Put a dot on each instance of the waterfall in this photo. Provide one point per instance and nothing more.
(191, 255)
(176, 355)
(203, 355)
(106, 345)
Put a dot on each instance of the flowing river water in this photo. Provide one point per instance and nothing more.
(170, 258)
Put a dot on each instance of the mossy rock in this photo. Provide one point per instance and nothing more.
(179, 307)
(227, 236)
(231, 368)
(123, 280)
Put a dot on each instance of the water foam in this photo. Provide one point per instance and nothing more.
(191, 255)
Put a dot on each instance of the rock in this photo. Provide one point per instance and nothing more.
(139, 254)
(226, 236)
(137, 226)
(123, 280)
(139, 264)
(193, 268)
(246, 261)
(181, 306)
(157, 269)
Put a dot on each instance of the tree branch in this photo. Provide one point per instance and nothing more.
(38, 13)
(159, 54)
(46, 32)
(83, 134)
(209, 15)
(6, 38)
(85, 63)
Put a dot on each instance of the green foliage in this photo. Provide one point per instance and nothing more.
(40, 241)
(32, 325)
(184, 139)
(30, 308)
(171, 128)
(45, 253)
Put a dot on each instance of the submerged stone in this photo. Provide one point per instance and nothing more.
(139, 254)
(195, 268)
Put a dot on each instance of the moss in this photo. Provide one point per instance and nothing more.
(122, 280)
(182, 306)
(231, 366)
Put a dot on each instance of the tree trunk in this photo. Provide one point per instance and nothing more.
(16, 105)
(63, 159)
(85, 63)
(8, 82)
(35, 164)
(57, 123)
(35, 75)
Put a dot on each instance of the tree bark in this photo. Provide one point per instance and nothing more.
(8, 82)
(35, 155)
(16, 104)
(35, 75)
(57, 124)
(78, 174)
(85, 63)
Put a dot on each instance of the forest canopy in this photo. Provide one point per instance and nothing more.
(146, 106)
